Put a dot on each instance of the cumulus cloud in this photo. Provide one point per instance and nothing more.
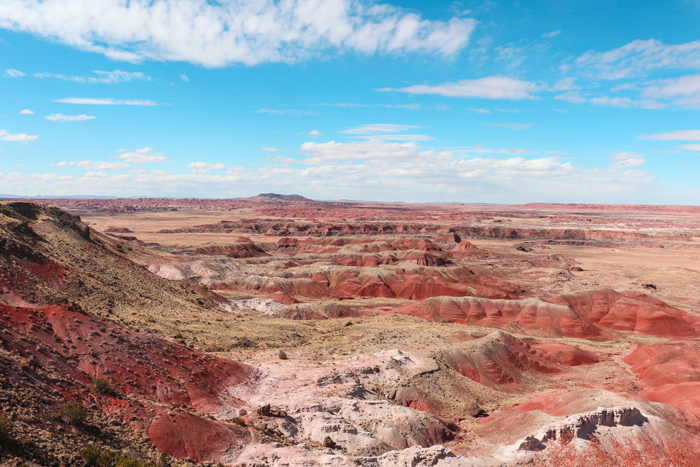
(142, 156)
(640, 57)
(26, 112)
(22, 137)
(216, 34)
(204, 167)
(69, 118)
(626, 160)
(12, 73)
(675, 135)
(314, 133)
(90, 165)
(103, 77)
(377, 170)
(105, 101)
(492, 87)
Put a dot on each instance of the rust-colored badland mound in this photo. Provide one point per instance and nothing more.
(501, 360)
(582, 314)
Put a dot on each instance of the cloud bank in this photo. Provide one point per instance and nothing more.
(216, 34)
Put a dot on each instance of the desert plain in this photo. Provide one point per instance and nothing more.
(281, 331)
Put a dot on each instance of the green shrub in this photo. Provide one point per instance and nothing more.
(179, 336)
(283, 355)
(91, 454)
(239, 421)
(73, 413)
(5, 430)
(102, 385)
(349, 323)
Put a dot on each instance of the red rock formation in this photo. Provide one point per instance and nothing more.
(282, 298)
(500, 359)
(575, 315)
(137, 364)
(534, 315)
(670, 372)
(631, 312)
(465, 246)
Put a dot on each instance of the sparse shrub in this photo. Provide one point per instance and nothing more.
(102, 385)
(349, 323)
(239, 421)
(73, 413)
(91, 454)
(25, 366)
(165, 460)
(57, 338)
(5, 430)
(283, 355)
(179, 336)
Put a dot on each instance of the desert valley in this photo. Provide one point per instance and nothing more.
(281, 331)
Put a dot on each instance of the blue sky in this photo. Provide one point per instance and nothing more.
(538, 101)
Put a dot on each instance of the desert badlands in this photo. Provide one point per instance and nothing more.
(281, 331)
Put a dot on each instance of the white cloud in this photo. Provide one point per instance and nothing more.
(551, 35)
(105, 101)
(387, 106)
(639, 58)
(510, 125)
(22, 137)
(607, 101)
(90, 165)
(206, 165)
(26, 112)
(682, 91)
(378, 171)
(627, 160)
(184, 78)
(273, 149)
(378, 128)
(564, 84)
(12, 73)
(103, 77)
(675, 135)
(244, 31)
(69, 118)
(142, 156)
(492, 87)
(397, 137)
(292, 112)
(690, 147)
(314, 133)
(479, 111)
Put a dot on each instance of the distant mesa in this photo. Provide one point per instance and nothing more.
(118, 230)
(279, 197)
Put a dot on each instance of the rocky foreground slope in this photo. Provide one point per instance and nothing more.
(338, 346)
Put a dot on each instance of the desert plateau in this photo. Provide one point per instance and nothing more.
(281, 331)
